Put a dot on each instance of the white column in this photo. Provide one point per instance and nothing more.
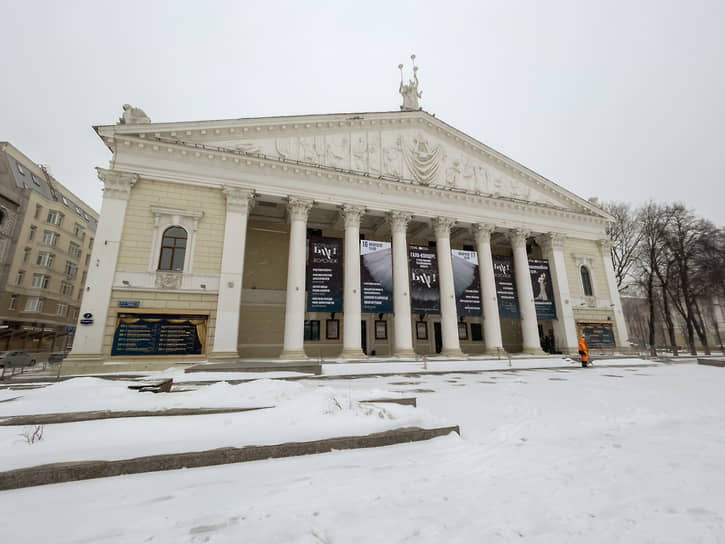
(294, 317)
(402, 333)
(605, 247)
(351, 304)
(226, 332)
(451, 346)
(564, 326)
(88, 341)
(491, 319)
(527, 307)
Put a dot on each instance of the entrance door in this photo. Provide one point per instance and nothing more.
(364, 336)
(438, 336)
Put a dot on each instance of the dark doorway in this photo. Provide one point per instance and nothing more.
(364, 336)
(438, 336)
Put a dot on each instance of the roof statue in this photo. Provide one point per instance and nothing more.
(133, 116)
(410, 91)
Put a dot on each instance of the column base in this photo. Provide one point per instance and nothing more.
(85, 358)
(534, 351)
(353, 353)
(223, 356)
(454, 354)
(496, 351)
(293, 355)
(405, 354)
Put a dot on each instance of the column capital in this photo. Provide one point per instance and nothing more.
(352, 215)
(482, 232)
(398, 221)
(238, 200)
(116, 184)
(518, 238)
(551, 241)
(298, 208)
(442, 226)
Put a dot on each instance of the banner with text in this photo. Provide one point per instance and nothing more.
(503, 272)
(425, 297)
(376, 277)
(543, 289)
(466, 282)
(324, 275)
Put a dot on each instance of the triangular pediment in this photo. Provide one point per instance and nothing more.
(413, 147)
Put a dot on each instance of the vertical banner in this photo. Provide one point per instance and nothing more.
(503, 272)
(543, 289)
(376, 277)
(324, 275)
(425, 296)
(466, 282)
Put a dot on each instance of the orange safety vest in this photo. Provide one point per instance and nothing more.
(583, 350)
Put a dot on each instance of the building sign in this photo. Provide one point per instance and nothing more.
(425, 296)
(503, 273)
(128, 303)
(543, 289)
(598, 335)
(466, 282)
(151, 334)
(376, 277)
(324, 275)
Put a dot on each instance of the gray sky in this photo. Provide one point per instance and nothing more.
(624, 100)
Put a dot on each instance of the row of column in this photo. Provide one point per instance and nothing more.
(238, 205)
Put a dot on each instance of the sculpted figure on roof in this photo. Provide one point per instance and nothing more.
(410, 91)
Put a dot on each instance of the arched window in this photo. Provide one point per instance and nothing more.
(173, 249)
(586, 282)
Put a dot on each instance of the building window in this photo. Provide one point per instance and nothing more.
(173, 249)
(476, 333)
(55, 217)
(31, 235)
(586, 282)
(38, 207)
(90, 243)
(13, 302)
(78, 231)
(74, 250)
(45, 259)
(88, 259)
(66, 289)
(381, 330)
(50, 238)
(312, 329)
(20, 277)
(73, 314)
(34, 304)
(71, 269)
(61, 309)
(40, 281)
(26, 254)
(462, 331)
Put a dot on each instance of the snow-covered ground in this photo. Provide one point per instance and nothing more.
(577, 455)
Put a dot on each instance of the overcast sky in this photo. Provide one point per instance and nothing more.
(623, 100)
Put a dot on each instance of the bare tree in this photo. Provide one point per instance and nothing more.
(653, 222)
(626, 235)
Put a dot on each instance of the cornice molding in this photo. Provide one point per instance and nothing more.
(291, 125)
(280, 166)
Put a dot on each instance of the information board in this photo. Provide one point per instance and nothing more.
(376, 277)
(598, 335)
(467, 283)
(324, 275)
(146, 334)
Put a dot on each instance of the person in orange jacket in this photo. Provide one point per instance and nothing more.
(584, 351)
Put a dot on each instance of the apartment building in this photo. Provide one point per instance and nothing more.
(46, 239)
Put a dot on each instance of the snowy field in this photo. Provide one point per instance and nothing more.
(628, 454)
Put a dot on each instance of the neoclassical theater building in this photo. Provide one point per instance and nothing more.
(358, 235)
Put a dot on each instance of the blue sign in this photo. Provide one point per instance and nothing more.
(70, 329)
(128, 303)
(86, 322)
